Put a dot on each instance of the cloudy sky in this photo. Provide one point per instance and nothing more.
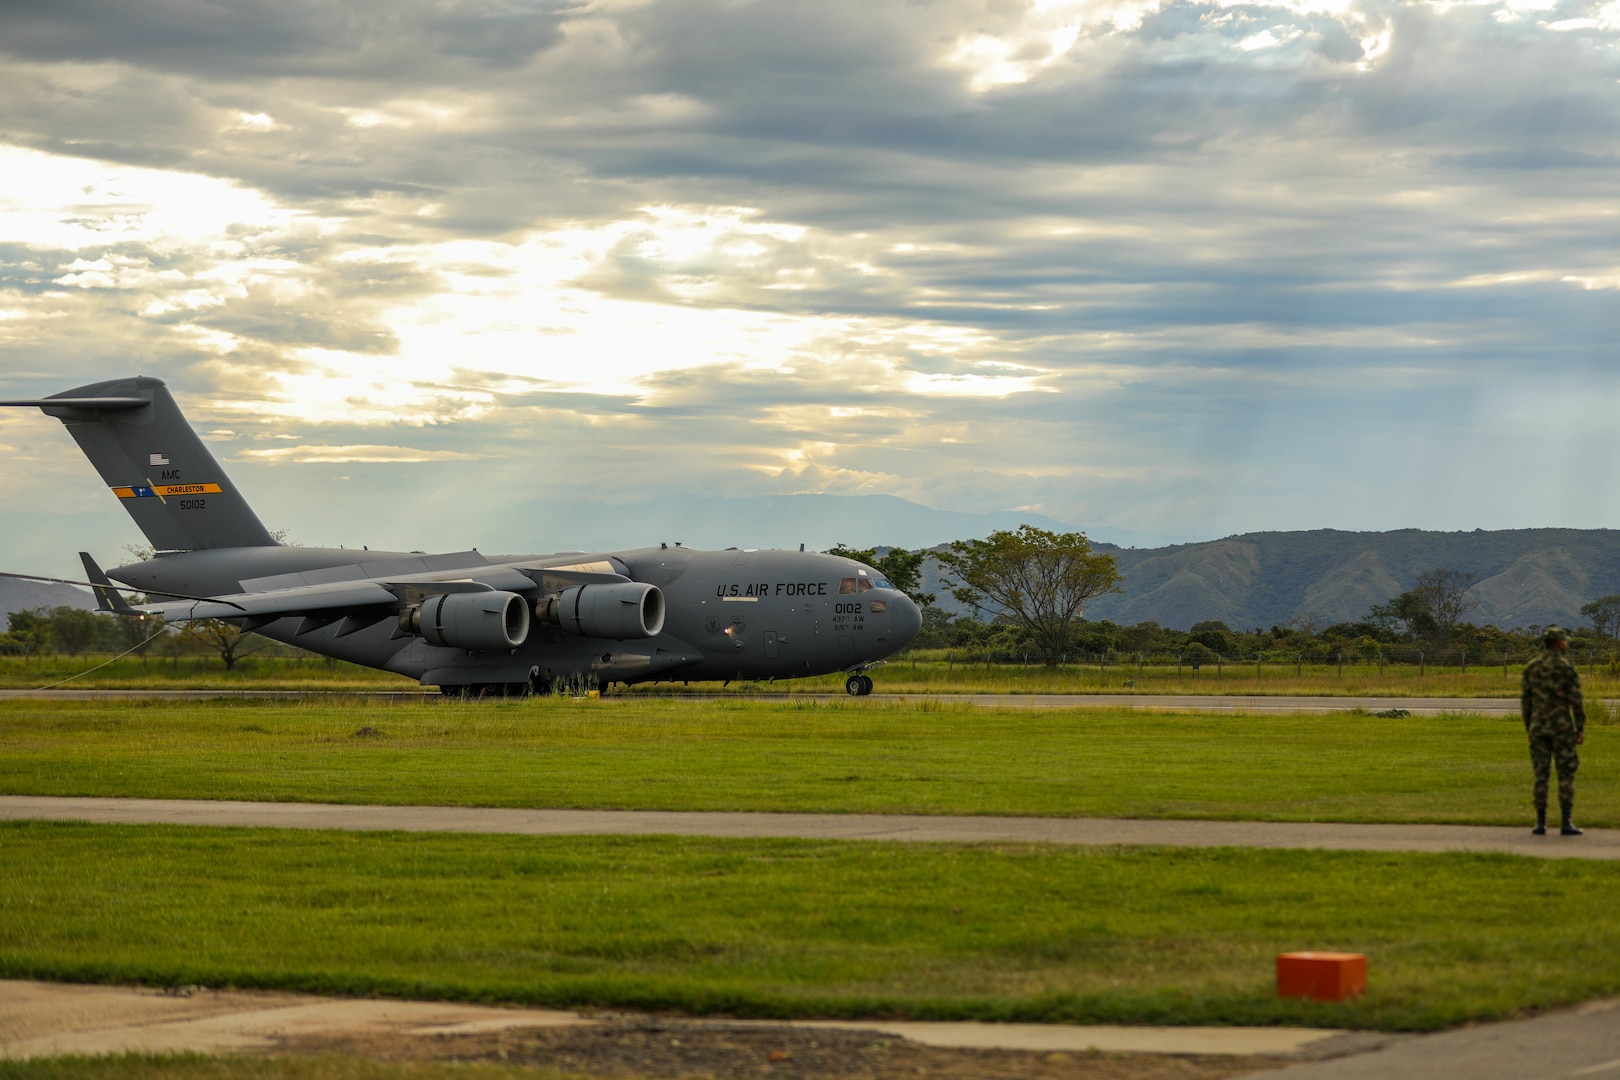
(1164, 271)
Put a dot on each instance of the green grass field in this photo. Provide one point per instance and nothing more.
(838, 756)
(927, 673)
(803, 928)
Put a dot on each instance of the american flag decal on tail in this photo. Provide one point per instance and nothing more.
(158, 459)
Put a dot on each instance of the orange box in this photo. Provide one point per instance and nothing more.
(1324, 976)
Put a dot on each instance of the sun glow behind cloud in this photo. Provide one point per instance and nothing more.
(504, 308)
(50, 201)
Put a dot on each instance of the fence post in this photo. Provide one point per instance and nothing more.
(1465, 661)
(1178, 665)
(1299, 664)
(1257, 666)
(1341, 665)
(1423, 668)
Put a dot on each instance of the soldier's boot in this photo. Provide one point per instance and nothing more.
(1541, 822)
(1569, 828)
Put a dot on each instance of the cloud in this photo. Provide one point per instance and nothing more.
(1190, 268)
(366, 454)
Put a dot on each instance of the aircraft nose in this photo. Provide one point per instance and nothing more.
(905, 619)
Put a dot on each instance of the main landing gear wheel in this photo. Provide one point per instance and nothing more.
(858, 685)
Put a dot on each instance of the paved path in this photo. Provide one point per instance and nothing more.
(1596, 844)
(1581, 1042)
(1180, 702)
(47, 1019)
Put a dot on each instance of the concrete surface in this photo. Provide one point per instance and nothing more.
(1580, 1042)
(49, 1019)
(1596, 844)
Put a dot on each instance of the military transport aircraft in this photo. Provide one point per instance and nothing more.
(466, 622)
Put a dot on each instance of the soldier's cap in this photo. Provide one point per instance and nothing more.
(1553, 635)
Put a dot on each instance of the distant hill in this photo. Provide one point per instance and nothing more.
(1260, 579)
(26, 595)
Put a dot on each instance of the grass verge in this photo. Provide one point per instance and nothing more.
(840, 756)
(803, 928)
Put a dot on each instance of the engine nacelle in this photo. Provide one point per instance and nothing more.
(481, 621)
(619, 611)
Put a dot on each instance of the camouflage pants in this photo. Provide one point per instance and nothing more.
(1546, 749)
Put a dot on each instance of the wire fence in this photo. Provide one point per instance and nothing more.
(1458, 659)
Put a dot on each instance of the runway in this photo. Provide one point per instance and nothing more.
(1602, 844)
(1249, 703)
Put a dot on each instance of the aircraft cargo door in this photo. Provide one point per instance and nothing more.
(771, 652)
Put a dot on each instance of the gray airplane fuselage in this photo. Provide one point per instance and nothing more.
(463, 620)
(730, 614)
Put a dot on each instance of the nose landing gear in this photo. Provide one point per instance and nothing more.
(858, 685)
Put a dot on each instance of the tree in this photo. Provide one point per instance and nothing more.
(30, 630)
(1404, 616)
(1431, 608)
(1308, 622)
(1041, 580)
(1605, 615)
(1143, 637)
(1444, 594)
(1213, 635)
(75, 628)
(224, 638)
(1198, 654)
(139, 634)
(903, 569)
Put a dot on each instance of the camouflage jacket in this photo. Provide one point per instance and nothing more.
(1550, 701)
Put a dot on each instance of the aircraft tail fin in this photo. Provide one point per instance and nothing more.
(134, 434)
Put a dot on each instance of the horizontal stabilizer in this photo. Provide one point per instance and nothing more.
(108, 598)
(145, 609)
(81, 402)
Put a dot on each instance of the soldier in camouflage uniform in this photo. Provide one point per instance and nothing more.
(1555, 720)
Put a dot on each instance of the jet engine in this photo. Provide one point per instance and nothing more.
(481, 621)
(620, 611)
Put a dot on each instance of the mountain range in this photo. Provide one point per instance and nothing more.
(27, 595)
(1524, 576)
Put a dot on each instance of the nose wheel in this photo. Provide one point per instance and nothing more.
(858, 685)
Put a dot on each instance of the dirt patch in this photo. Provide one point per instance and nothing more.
(674, 1050)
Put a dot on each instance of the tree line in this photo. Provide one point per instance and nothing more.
(74, 631)
(1028, 588)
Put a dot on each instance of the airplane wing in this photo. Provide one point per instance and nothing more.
(366, 601)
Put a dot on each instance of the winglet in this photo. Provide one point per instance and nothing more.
(108, 598)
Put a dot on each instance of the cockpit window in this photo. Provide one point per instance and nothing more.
(882, 583)
(846, 587)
